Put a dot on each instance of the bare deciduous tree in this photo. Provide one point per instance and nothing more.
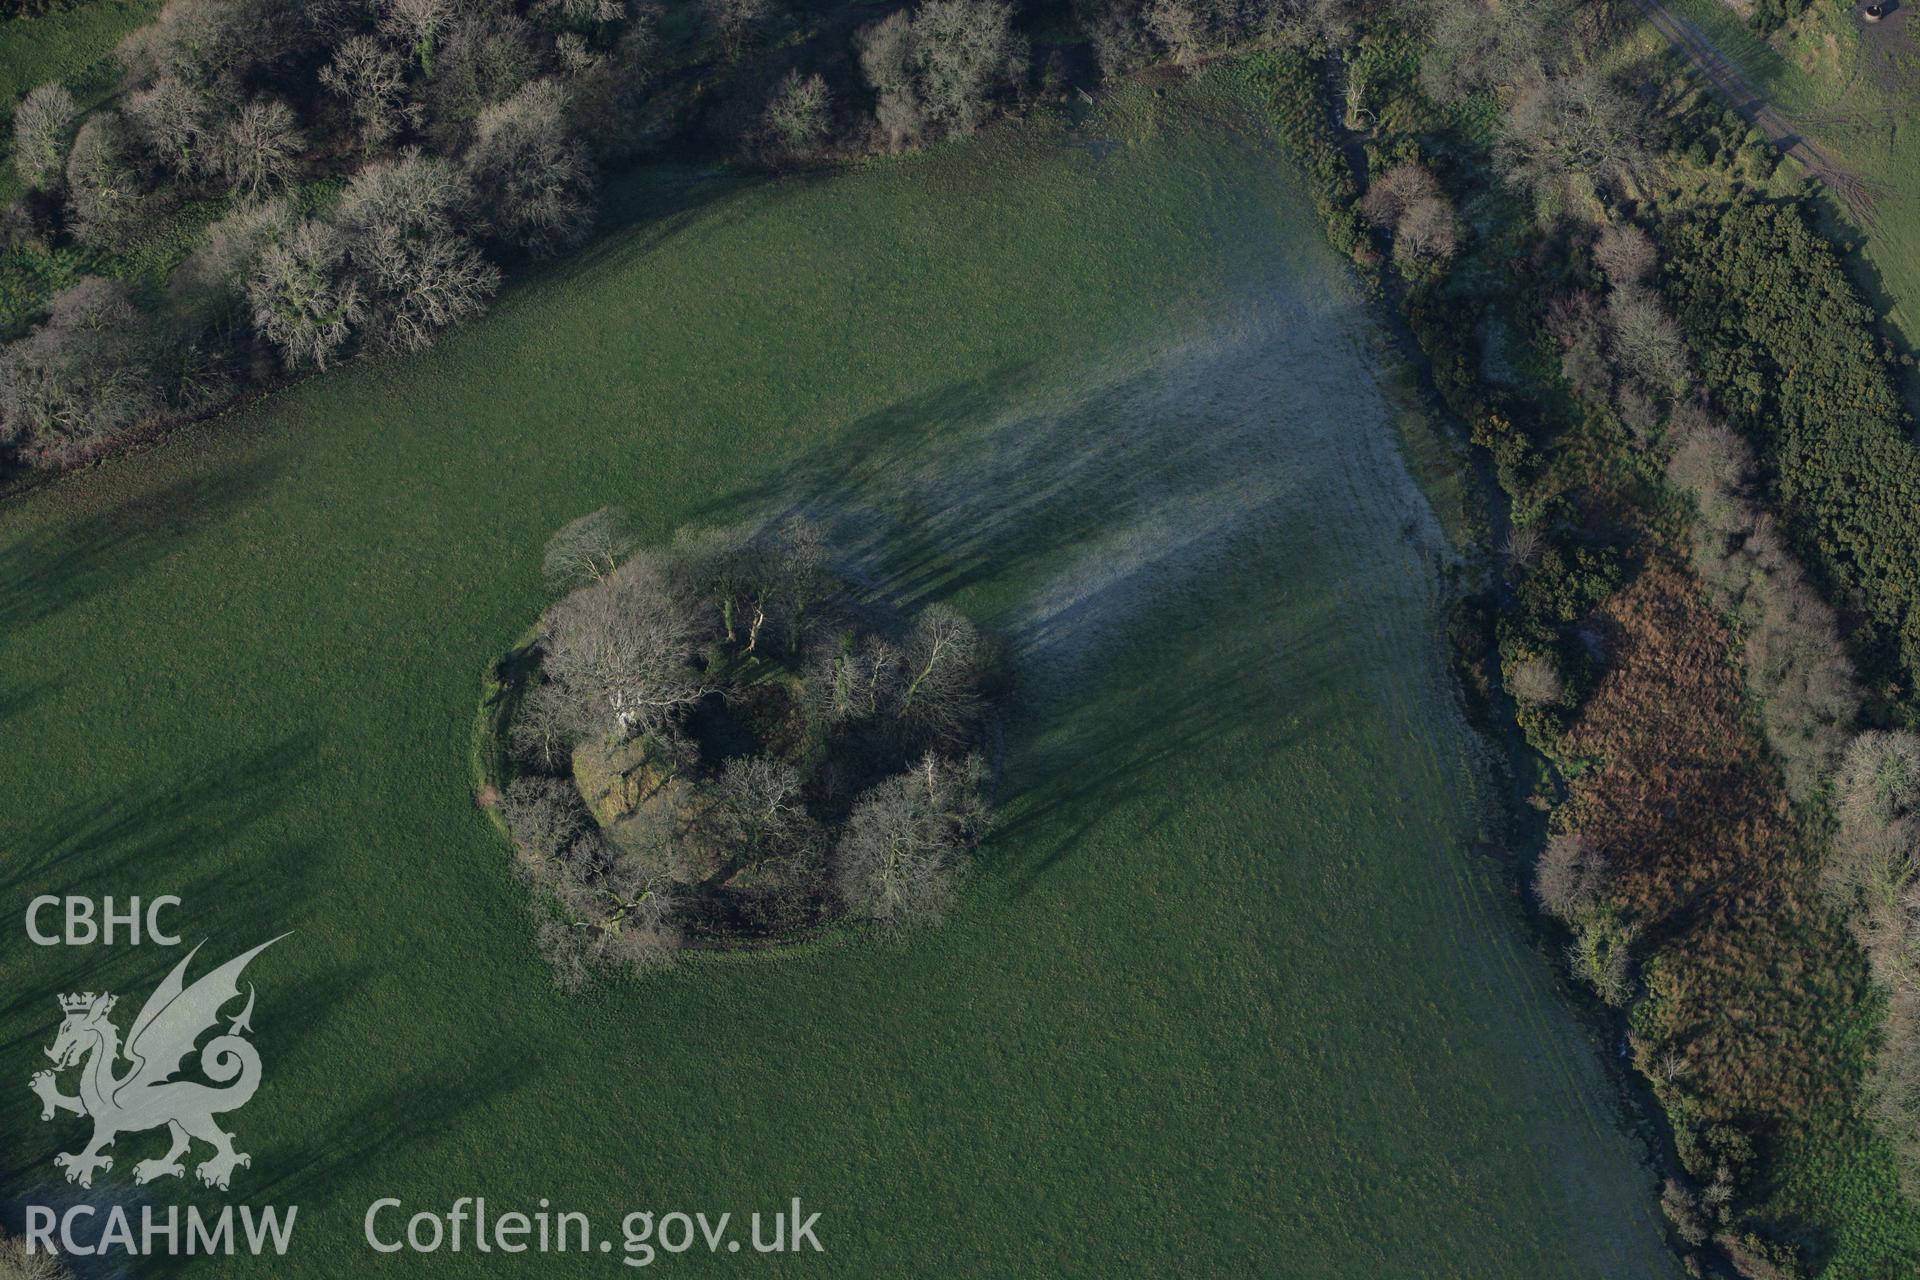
(170, 117)
(625, 647)
(417, 24)
(18, 1262)
(1667, 1067)
(636, 915)
(1710, 460)
(104, 195)
(258, 149)
(587, 550)
(1626, 254)
(584, 12)
(488, 54)
(418, 274)
(536, 177)
(79, 377)
(794, 572)
(1118, 34)
(1428, 229)
(1570, 877)
(413, 194)
(966, 53)
(756, 812)
(618, 915)
(1877, 790)
(1181, 28)
(1874, 867)
(900, 859)
(940, 678)
(607, 88)
(645, 638)
(763, 581)
(1535, 682)
(40, 125)
(545, 818)
(1646, 342)
(303, 297)
(215, 45)
(1521, 550)
(1407, 200)
(1796, 662)
(1573, 125)
(547, 723)
(938, 70)
(1395, 191)
(720, 565)
(797, 114)
(419, 285)
(1472, 47)
(735, 21)
(857, 680)
(372, 80)
(211, 284)
(1683, 1211)
(566, 945)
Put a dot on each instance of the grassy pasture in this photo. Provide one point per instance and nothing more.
(1231, 992)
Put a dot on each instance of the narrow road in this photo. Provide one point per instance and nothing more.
(1692, 44)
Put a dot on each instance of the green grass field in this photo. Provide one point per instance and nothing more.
(1231, 993)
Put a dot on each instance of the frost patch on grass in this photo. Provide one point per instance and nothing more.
(1264, 438)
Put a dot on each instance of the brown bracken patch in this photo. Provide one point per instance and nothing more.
(1746, 971)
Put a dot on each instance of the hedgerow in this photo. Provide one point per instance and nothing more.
(1292, 86)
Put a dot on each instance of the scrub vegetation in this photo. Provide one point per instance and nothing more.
(1847, 87)
(17, 1263)
(1700, 605)
(724, 742)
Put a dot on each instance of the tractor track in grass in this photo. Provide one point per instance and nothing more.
(1781, 130)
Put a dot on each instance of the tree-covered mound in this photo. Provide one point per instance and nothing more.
(728, 742)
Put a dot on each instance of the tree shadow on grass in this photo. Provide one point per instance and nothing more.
(971, 482)
(647, 208)
(186, 831)
(1127, 536)
(424, 1104)
(63, 563)
(201, 832)
(1123, 745)
(80, 847)
(133, 974)
(427, 1103)
(18, 699)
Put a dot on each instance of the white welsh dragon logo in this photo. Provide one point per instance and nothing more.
(146, 1096)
